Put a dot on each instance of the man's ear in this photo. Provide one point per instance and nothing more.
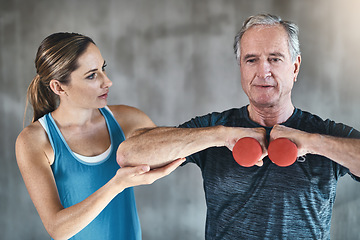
(297, 67)
(57, 87)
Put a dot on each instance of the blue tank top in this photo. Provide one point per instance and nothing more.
(76, 180)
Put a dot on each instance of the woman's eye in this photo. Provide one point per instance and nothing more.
(92, 76)
(103, 68)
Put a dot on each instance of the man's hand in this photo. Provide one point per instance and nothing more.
(296, 136)
(257, 133)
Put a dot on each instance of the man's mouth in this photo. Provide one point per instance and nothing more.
(264, 86)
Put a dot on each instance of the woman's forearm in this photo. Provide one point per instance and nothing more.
(69, 221)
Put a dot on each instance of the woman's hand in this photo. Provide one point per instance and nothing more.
(143, 175)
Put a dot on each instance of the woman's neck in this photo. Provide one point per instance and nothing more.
(74, 116)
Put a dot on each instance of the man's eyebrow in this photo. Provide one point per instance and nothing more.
(273, 54)
(247, 56)
(277, 54)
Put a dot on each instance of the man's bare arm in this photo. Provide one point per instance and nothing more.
(344, 151)
(162, 145)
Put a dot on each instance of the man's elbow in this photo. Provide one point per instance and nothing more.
(120, 160)
(122, 156)
(355, 172)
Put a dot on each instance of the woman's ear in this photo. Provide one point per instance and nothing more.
(57, 87)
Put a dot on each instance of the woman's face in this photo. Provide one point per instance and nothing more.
(89, 85)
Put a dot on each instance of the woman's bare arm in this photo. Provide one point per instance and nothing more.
(33, 153)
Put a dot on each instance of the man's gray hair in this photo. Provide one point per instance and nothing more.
(267, 19)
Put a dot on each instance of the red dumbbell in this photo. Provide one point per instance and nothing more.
(247, 151)
(282, 152)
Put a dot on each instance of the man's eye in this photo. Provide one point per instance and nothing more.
(250, 60)
(275, 60)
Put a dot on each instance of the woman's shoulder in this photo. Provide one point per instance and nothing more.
(130, 118)
(33, 140)
(128, 112)
(33, 131)
(124, 109)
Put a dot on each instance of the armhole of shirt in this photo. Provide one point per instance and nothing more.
(44, 124)
(108, 109)
(112, 114)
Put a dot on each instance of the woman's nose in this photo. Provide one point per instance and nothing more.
(107, 82)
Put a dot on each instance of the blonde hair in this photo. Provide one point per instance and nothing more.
(56, 58)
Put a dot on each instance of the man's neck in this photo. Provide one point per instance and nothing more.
(270, 116)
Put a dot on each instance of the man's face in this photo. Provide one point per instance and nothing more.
(267, 71)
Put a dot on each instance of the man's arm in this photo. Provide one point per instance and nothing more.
(162, 145)
(344, 151)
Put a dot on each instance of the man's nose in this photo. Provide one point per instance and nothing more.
(263, 70)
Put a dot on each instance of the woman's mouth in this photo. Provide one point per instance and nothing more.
(104, 96)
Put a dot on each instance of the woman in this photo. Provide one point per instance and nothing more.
(67, 155)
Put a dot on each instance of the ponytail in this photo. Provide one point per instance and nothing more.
(41, 97)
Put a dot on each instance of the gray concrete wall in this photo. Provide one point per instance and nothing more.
(173, 59)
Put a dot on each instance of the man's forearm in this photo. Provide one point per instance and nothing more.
(344, 151)
(160, 146)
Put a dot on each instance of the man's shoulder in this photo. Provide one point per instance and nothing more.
(216, 118)
(232, 112)
(308, 116)
(310, 122)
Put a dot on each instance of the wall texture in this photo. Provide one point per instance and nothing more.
(173, 59)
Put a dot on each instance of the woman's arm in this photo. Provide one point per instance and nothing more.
(131, 119)
(34, 153)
